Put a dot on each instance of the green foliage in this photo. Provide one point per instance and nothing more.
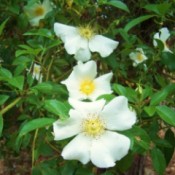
(29, 105)
(159, 162)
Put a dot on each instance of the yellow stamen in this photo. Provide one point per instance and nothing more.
(87, 87)
(140, 56)
(36, 70)
(93, 126)
(86, 32)
(39, 11)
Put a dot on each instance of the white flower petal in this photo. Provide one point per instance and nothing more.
(47, 6)
(87, 70)
(140, 50)
(78, 149)
(35, 21)
(69, 127)
(165, 34)
(132, 56)
(109, 148)
(64, 31)
(104, 46)
(156, 36)
(74, 43)
(87, 107)
(117, 115)
(102, 86)
(81, 72)
(83, 54)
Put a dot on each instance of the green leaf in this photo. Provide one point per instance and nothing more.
(150, 110)
(158, 97)
(5, 73)
(1, 124)
(137, 21)
(3, 99)
(158, 160)
(43, 87)
(125, 91)
(168, 152)
(118, 4)
(159, 9)
(168, 59)
(139, 136)
(35, 124)
(3, 25)
(17, 82)
(40, 32)
(58, 108)
(166, 114)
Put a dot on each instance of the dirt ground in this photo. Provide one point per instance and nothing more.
(21, 165)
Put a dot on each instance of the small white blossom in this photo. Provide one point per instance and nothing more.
(137, 56)
(81, 41)
(36, 72)
(83, 84)
(94, 125)
(37, 11)
(162, 35)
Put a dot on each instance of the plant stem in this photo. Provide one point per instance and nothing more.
(48, 70)
(33, 147)
(8, 107)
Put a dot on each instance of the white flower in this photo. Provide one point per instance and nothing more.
(138, 56)
(162, 35)
(81, 40)
(82, 83)
(37, 11)
(36, 72)
(94, 124)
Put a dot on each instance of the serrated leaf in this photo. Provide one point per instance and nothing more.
(158, 160)
(137, 21)
(119, 4)
(35, 124)
(166, 114)
(3, 99)
(58, 108)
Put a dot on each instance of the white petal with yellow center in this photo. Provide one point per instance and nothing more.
(82, 83)
(37, 11)
(95, 141)
(138, 56)
(81, 40)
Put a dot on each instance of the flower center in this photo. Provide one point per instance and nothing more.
(87, 87)
(36, 70)
(93, 126)
(86, 32)
(39, 11)
(139, 57)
